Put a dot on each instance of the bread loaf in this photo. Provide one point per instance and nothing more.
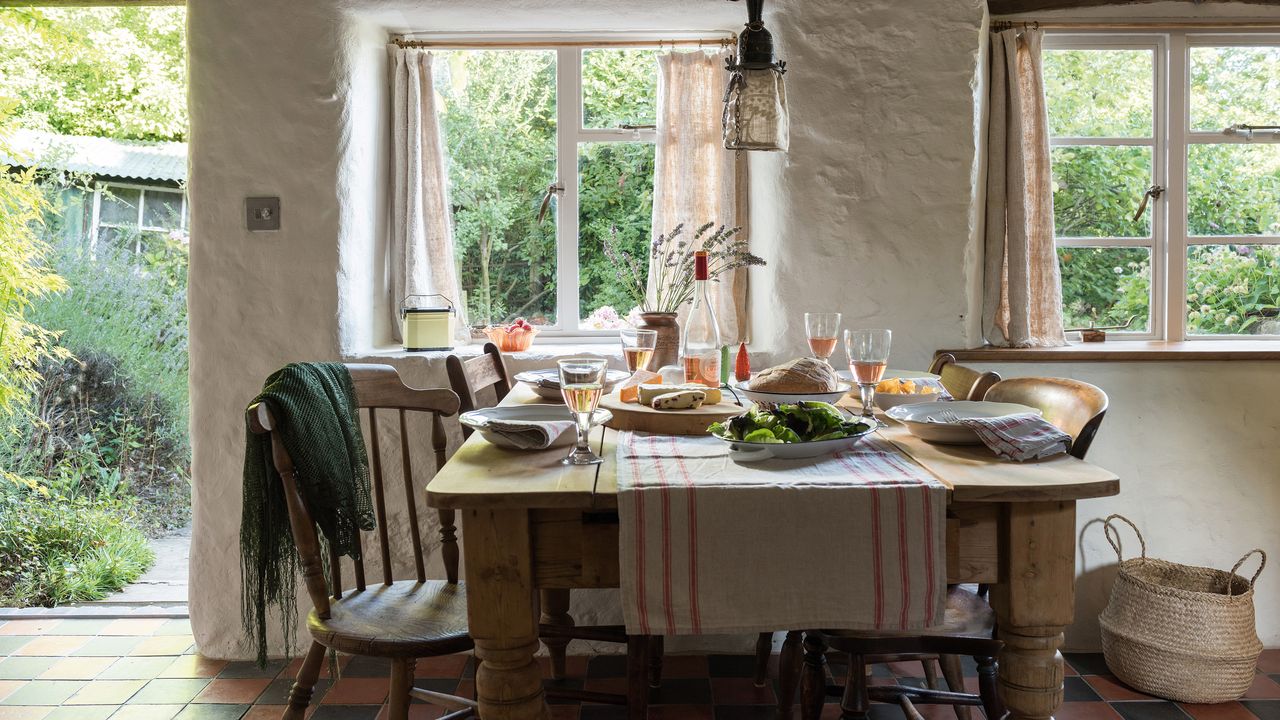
(802, 375)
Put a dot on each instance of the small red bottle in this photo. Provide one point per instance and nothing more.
(742, 364)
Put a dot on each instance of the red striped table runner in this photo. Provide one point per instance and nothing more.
(854, 540)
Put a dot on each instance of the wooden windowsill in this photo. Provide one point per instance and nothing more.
(1128, 351)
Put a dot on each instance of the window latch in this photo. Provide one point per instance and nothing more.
(1153, 193)
(552, 190)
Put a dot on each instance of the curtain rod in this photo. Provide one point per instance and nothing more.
(462, 44)
(1154, 25)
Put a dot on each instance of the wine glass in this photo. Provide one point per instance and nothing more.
(868, 355)
(581, 384)
(823, 330)
(637, 348)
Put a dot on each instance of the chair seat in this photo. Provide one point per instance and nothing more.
(967, 615)
(406, 619)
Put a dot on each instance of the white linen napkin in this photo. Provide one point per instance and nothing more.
(1021, 437)
(528, 434)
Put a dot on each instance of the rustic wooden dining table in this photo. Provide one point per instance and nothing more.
(531, 523)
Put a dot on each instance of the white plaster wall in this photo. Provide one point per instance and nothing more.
(871, 213)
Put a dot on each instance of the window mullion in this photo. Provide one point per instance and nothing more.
(1175, 246)
(568, 124)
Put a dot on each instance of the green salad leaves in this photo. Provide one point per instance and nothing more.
(803, 422)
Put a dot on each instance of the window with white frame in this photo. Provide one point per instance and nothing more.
(1166, 171)
(130, 217)
(551, 151)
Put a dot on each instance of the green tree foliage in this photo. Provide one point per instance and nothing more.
(107, 72)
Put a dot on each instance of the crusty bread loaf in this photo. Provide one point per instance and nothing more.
(802, 375)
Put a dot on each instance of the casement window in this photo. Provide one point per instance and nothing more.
(550, 151)
(1166, 170)
(130, 216)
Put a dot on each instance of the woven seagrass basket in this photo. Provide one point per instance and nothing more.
(1177, 631)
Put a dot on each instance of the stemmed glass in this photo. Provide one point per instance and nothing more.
(868, 355)
(637, 348)
(823, 330)
(581, 384)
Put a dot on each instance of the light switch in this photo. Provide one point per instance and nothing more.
(262, 214)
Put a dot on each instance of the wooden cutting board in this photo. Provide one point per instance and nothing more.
(633, 416)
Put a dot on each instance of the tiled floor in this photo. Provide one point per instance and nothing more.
(142, 669)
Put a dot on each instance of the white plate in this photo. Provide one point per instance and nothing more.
(930, 420)
(479, 420)
(751, 452)
(891, 373)
(774, 398)
(546, 383)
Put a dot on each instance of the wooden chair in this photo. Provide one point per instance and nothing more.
(963, 383)
(399, 620)
(1075, 407)
(469, 378)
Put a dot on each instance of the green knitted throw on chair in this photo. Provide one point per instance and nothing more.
(316, 417)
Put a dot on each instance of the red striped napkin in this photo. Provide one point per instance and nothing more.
(1020, 437)
(709, 545)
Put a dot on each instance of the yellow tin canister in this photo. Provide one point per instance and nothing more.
(427, 327)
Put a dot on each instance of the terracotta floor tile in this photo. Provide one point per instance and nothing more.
(291, 670)
(680, 712)
(1112, 689)
(416, 712)
(575, 666)
(1086, 711)
(136, 668)
(163, 645)
(264, 712)
(8, 686)
(24, 668)
(1218, 711)
(106, 692)
(150, 712)
(77, 668)
(53, 645)
(357, 691)
(24, 713)
(240, 691)
(130, 626)
(193, 666)
(466, 689)
(168, 692)
(36, 626)
(685, 666)
(82, 712)
(1268, 663)
(451, 666)
(43, 692)
(1263, 688)
(741, 691)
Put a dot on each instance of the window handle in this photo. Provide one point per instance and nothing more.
(552, 190)
(1153, 193)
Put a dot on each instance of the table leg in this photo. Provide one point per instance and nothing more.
(813, 680)
(502, 614)
(555, 611)
(1033, 605)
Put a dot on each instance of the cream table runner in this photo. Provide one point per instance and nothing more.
(855, 540)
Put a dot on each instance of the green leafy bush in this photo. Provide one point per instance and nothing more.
(59, 550)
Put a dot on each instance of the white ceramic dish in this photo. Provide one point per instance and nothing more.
(753, 452)
(546, 383)
(891, 373)
(936, 421)
(479, 420)
(772, 398)
(885, 401)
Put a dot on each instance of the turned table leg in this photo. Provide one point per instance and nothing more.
(502, 614)
(555, 611)
(1033, 605)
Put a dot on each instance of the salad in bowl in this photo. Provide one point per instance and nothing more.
(804, 429)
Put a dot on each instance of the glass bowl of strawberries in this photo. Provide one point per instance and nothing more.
(515, 337)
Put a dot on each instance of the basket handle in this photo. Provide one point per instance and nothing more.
(1256, 573)
(1113, 536)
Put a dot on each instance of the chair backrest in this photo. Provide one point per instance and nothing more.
(378, 387)
(468, 377)
(1073, 406)
(963, 383)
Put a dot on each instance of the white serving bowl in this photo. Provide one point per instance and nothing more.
(546, 383)
(885, 401)
(742, 387)
(933, 421)
(479, 420)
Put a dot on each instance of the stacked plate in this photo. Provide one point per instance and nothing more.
(942, 422)
(546, 383)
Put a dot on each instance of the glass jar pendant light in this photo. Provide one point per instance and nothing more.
(755, 103)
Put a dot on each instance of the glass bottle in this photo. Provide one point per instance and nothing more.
(700, 347)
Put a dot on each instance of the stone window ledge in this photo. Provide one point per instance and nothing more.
(1129, 351)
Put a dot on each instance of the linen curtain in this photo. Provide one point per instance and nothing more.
(697, 181)
(1022, 289)
(421, 257)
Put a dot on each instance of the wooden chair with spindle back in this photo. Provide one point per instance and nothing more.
(1073, 406)
(399, 620)
(469, 379)
(962, 382)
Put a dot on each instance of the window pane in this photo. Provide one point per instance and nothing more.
(619, 87)
(162, 210)
(1105, 286)
(1234, 85)
(615, 199)
(1099, 93)
(1097, 189)
(1233, 189)
(1233, 289)
(119, 206)
(498, 114)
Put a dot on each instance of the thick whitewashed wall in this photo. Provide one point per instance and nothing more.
(871, 214)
